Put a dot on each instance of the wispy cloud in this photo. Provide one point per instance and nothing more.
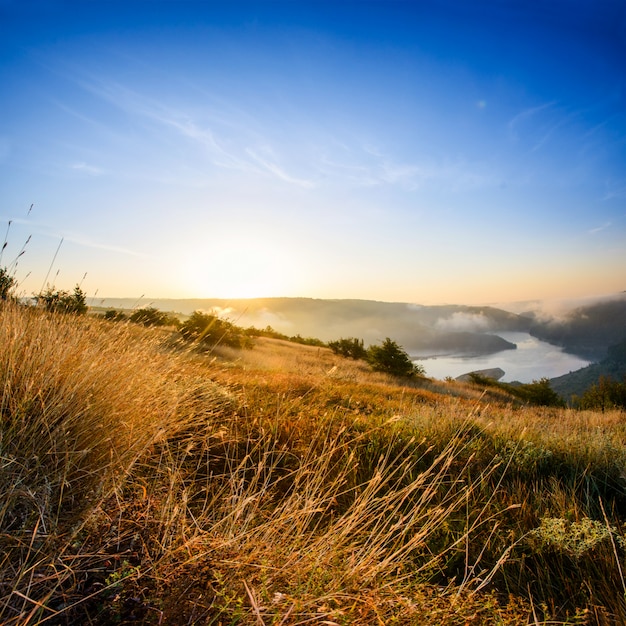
(86, 242)
(227, 143)
(43, 229)
(599, 228)
(230, 138)
(87, 169)
(274, 168)
(537, 124)
(615, 191)
(369, 167)
(528, 114)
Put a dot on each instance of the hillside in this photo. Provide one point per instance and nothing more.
(151, 480)
(586, 331)
(612, 366)
(421, 330)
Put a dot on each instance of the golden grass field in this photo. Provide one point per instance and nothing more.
(145, 481)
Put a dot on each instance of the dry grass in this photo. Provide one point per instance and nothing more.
(140, 482)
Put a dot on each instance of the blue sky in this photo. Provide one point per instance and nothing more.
(427, 152)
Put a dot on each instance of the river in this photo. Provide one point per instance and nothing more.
(533, 359)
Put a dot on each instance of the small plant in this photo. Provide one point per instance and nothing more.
(575, 539)
(392, 359)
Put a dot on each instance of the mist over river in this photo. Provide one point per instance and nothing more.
(533, 359)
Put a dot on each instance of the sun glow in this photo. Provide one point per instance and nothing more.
(242, 268)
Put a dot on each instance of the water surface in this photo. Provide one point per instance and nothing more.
(533, 359)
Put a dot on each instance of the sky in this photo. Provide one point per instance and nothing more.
(415, 151)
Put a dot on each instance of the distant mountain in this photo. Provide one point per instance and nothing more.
(576, 383)
(421, 330)
(586, 331)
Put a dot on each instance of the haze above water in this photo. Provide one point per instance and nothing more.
(533, 359)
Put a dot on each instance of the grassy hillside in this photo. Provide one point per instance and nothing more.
(587, 331)
(612, 366)
(145, 481)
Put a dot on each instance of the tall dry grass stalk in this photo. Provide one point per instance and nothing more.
(80, 404)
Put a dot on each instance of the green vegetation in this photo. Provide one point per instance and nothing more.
(149, 316)
(62, 301)
(588, 330)
(115, 315)
(392, 359)
(7, 283)
(144, 481)
(207, 329)
(606, 394)
(351, 348)
(538, 393)
(268, 331)
(575, 384)
(388, 357)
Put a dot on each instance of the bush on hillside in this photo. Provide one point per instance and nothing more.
(114, 315)
(307, 341)
(392, 359)
(62, 301)
(150, 316)
(268, 331)
(208, 329)
(540, 393)
(537, 393)
(352, 348)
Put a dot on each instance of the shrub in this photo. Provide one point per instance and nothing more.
(208, 329)
(268, 331)
(150, 316)
(540, 393)
(307, 341)
(573, 538)
(351, 348)
(537, 393)
(114, 315)
(392, 359)
(63, 301)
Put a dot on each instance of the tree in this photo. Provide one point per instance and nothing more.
(392, 359)
(606, 394)
(7, 284)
